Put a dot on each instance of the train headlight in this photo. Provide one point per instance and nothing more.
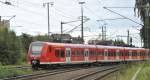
(34, 62)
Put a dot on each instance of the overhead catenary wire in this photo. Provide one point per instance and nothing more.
(128, 7)
(90, 11)
(69, 16)
(122, 16)
(99, 1)
(24, 9)
(60, 13)
(76, 27)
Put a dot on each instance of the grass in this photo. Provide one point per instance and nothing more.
(8, 71)
(127, 71)
(145, 72)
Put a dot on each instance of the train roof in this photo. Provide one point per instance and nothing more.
(86, 45)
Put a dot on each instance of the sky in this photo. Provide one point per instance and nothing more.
(31, 17)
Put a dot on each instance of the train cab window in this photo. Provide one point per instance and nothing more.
(57, 53)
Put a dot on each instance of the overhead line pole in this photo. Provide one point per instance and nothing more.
(82, 33)
(128, 37)
(48, 17)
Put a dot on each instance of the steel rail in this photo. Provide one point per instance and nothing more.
(104, 73)
(44, 74)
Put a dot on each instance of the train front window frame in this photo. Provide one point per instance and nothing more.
(36, 48)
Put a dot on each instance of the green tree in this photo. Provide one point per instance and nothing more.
(41, 38)
(142, 7)
(9, 47)
(119, 43)
(25, 40)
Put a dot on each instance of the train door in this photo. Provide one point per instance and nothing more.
(86, 55)
(106, 54)
(117, 54)
(68, 51)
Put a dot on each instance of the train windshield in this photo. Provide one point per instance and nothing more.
(36, 48)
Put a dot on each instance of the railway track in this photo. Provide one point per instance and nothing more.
(18, 67)
(23, 67)
(44, 73)
(97, 75)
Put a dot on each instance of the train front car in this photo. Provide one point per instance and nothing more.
(35, 54)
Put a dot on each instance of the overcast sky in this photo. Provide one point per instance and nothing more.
(32, 16)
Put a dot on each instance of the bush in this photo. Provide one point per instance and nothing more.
(9, 47)
(8, 71)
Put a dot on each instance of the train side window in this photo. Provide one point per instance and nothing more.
(82, 52)
(108, 53)
(102, 53)
(73, 53)
(62, 53)
(78, 53)
(120, 54)
(57, 53)
(50, 48)
(91, 53)
(132, 53)
(99, 53)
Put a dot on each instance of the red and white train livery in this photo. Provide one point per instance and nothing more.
(47, 53)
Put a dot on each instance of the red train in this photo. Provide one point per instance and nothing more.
(47, 53)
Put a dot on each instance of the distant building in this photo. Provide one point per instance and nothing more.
(76, 40)
(65, 38)
(101, 42)
(4, 23)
